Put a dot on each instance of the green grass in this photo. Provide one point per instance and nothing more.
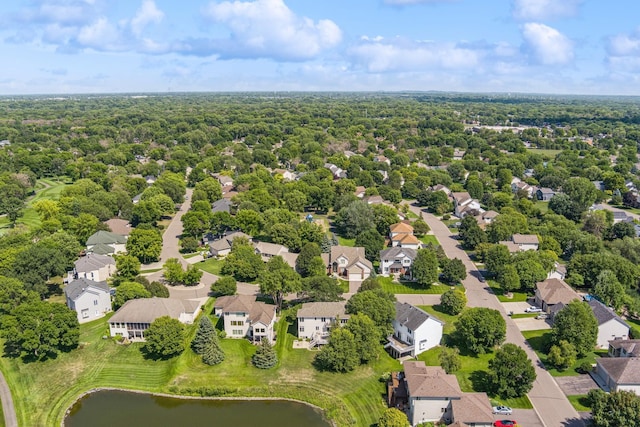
(635, 326)
(342, 241)
(580, 402)
(211, 265)
(523, 315)
(410, 287)
(150, 270)
(545, 152)
(543, 206)
(43, 391)
(344, 285)
(497, 290)
(187, 256)
(429, 238)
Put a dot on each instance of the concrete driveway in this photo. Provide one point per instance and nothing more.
(577, 384)
(531, 324)
(516, 307)
(524, 417)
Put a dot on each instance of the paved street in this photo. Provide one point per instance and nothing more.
(548, 400)
(10, 418)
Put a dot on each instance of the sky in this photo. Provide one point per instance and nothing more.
(589, 47)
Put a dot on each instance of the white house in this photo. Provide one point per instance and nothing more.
(315, 320)
(464, 205)
(619, 373)
(348, 262)
(221, 247)
(610, 325)
(91, 300)
(559, 272)
(526, 242)
(116, 242)
(243, 316)
(136, 315)
(414, 331)
(401, 234)
(268, 250)
(397, 260)
(624, 348)
(95, 267)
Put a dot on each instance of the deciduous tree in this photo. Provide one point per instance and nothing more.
(480, 329)
(164, 338)
(425, 267)
(511, 373)
(453, 302)
(340, 354)
(576, 324)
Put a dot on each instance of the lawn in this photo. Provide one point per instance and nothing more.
(515, 296)
(545, 152)
(429, 238)
(410, 287)
(523, 315)
(579, 402)
(342, 241)
(543, 206)
(635, 326)
(211, 265)
(43, 391)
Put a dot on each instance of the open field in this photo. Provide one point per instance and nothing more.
(545, 152)
(43, 391)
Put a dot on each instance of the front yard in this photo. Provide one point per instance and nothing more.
(210, 265)
(403, 287)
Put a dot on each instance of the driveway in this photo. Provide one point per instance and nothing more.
(524, 417)
(549, 402)
(531, 324)
(516, 307)
(580, 384)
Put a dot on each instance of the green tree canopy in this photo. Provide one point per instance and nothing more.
(425, 267)
(577, 325)
(453, 302)
(164, 338)
(511, 373)
(279, 279)
(340, 354)
(393, 417)
(480, 329)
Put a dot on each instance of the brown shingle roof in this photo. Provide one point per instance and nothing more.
(235, 303)
(461, 197)
(623, 370)
(430, 381)
(146, 310)
(407, 239)
(324, 309)
(472, 408)
(401, 227)
(119, 226)
(525, 239)
(352, 254)
(554, 291)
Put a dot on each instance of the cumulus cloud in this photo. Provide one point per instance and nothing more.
(538, 10)
(264, 29)
(147, 14)
(547, 45)
(623, 52)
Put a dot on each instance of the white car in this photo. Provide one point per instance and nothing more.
(502, 410)
(533, 309)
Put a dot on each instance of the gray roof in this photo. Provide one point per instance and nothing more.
(630, 346)
(410, 316)
(397, 251)
(93, 262)
(102, 249)
(106, 237)
(623, 370)
(74, 289)
(323, 309)
(146, 310)
(604, 313)
(222, 205)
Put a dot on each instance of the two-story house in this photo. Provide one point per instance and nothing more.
(414, 331)
(397, 261)
(348, 262)
(464, 204)
(552, 295)
(243, 316)
(401, 234)
(91, 300)
(315, 320)
(106, 243)
(610, 325)
(94, 267)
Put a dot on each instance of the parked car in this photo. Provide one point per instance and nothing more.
(505, 423)
(502, 410)
(533, 309)
(542, 316)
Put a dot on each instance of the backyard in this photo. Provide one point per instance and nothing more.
(405, 287)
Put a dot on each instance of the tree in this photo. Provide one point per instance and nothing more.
(145, 244)
(511, 373)
(164, 338)
(508, 278)
(581, 192)
(322, 288)
(480, 329)
(156, 289)
(496, 258)
(595, 222)
(191, 276)
(340, 354)
(562, 355)
(172, 271)
(453, 302)
(530, 272)
(204, 335)
(242, 262)
(279, 279)
(366, 336)
(378, 305)
(225, 285)
(372, 242)
(213, 353)
(127, 266)
(420, 227)
(39, 330)
(305, 258)
(425, 267)
(621, 230)
(471, 233)
(618, 408)
(127, 291)
(609, 290)
(370, 283)
(354, 219)
(265, 356)
(249, 221)
(435, 201)
(13, 208)
(195, 223)
(211, 187)
(383, 217)
(454, 271)
(449, 359)
(576, 324)
(393, 417)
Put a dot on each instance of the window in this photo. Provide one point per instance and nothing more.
(423, 344)
(324, 319)
(301, 328)
(236, 332)
(95, 302)
(85, 313)
(301, 319)
(317, 328)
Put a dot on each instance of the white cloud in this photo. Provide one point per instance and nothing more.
(147, 14)
(100, 35)
(538, 10)
(264, 29)
(410, 2)
(624, 44)
(547, 45)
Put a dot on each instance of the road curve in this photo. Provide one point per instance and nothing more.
(551, 404)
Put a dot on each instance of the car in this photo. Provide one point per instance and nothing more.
(502, 410)
(505, 423)
(533, 309)
(542, 316)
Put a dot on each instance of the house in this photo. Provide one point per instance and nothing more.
(5, 143)
(287, 175)
(526, 242)
(545, 194)
(523, 186)
(225, 181)
(553, 294)
(348, 262)
(619, 216)
(91, 300)
(559, 272)
(397, 261)
(150, 179)
(136, 199)
(269, 250)
(222, 205)
(488, 216)
(338, 173)
(433, 395)
(458, 154)
(441, 187)
(374, 200)
(624, 348)
(513, 248)
(221, 247)
(599, 185)
(243, 316)
(401, 234)
(119, 226)
(116, 242)
(610, 325)
(464, 205)
(315, 320)
(360, 192)
(619, 373)
(382, 159)
(414, 331)
(136, 315)
(400, 229)
(95, 267)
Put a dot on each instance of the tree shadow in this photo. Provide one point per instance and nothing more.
(574, 422)
(480, 381)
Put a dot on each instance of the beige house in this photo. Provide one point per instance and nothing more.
(348, 262)
(94, 267)
(243, 316)
(553, 294)
(624, 348)
(464, 204)
(119, 226)
(136, 315)
(221, 247)
(106, 243)
(315, 320)
(268, 250)
(526, 242)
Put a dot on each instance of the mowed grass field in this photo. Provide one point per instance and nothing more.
(43, 391)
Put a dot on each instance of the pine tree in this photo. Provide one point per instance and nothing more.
(204, 335)
(334, 240)
(325, 245)
(213, 353)
(265, 357)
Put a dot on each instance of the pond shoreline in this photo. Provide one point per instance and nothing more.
(187, 397)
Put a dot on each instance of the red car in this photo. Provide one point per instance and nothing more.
(505, 423)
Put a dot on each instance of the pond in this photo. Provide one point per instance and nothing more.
(109, 408)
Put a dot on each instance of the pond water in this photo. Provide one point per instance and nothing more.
(124, 409)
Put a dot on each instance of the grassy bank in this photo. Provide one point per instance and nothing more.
(43, 391)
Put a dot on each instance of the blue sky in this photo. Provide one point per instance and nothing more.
(104, 46)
